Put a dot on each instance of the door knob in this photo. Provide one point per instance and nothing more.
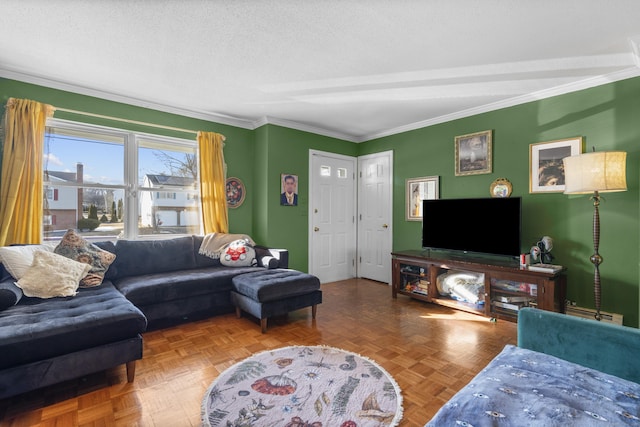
(316, 229)
(385, 226)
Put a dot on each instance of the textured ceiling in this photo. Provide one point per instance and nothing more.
(352, 69)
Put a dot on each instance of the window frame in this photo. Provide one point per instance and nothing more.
(131, 187)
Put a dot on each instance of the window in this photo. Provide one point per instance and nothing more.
(51, 193)
(165, 195)
(112, 183)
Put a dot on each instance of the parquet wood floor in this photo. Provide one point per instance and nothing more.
(431, 351)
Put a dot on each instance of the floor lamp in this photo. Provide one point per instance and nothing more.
(597, 172)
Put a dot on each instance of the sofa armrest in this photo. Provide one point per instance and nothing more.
(609, 348)
(282, 255)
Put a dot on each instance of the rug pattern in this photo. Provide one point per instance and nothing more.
(302, 386)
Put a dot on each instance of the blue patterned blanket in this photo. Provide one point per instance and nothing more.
(520, 387)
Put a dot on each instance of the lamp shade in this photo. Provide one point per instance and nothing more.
(604, 171)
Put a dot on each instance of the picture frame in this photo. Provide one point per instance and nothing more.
(473, 153)
(417, 190)
(288, 189)
(546, 170)
(236, 192)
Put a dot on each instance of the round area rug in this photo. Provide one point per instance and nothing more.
(303, 386)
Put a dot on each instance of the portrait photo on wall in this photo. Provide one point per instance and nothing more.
(547, 169)
(288, 189)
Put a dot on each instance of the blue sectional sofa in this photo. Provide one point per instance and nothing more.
(151, 284)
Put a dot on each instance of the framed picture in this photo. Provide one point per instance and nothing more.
(546, 171)
(473, 153)
(288, 189)
(235, 192)
(419, 189)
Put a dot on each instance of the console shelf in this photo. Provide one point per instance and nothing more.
(501, 288)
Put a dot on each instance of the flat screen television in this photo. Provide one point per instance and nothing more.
(484, 225)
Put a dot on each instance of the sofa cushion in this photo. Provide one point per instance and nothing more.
(52, 275)
(108, 246)
(75, 247)
(161, 287)
(4, 274)
(10, 294)
(203, 260)
(37, 329)
(139, 257)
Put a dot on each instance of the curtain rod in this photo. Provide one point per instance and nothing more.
(133, 122)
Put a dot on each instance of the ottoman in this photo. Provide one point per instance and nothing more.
(274, 292)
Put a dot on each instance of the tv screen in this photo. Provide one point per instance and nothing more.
(487, 225)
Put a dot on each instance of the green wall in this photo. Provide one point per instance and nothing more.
(607, 117)
(239, 143)
(257, 157)
(284, 150)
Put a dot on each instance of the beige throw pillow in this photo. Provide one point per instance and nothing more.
(52, 275)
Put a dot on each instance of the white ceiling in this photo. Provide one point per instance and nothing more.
(352, 69)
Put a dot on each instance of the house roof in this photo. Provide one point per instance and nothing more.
(169, 180)
(65, 176)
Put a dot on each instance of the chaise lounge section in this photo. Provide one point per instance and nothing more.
(46, 341)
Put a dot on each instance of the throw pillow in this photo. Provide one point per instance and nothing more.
(10, 294)
(52, 275)
(269, 262)
(17, 259)
(75, 247)
(238, 253)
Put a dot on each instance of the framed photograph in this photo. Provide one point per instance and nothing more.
(546, 171)
(288, 189)
(473, 153)
(235, 192)
(419, 189)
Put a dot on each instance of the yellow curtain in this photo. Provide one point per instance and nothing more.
(212, 183)
(21, 189)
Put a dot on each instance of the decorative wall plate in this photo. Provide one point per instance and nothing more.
(235, 192)
(501, 187)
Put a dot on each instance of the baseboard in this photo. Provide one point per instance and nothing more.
(589, 313)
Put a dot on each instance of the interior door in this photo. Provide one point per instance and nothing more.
(375, 202)
(332, 235)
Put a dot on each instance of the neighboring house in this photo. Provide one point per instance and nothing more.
(61, 203)
(167, 204)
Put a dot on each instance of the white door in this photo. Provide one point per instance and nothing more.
(332, 235)
(375, 202)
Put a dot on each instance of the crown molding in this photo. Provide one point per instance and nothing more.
(307, 128)
(511, 102)
(635, 49)
(254, 124)
(109, 96)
